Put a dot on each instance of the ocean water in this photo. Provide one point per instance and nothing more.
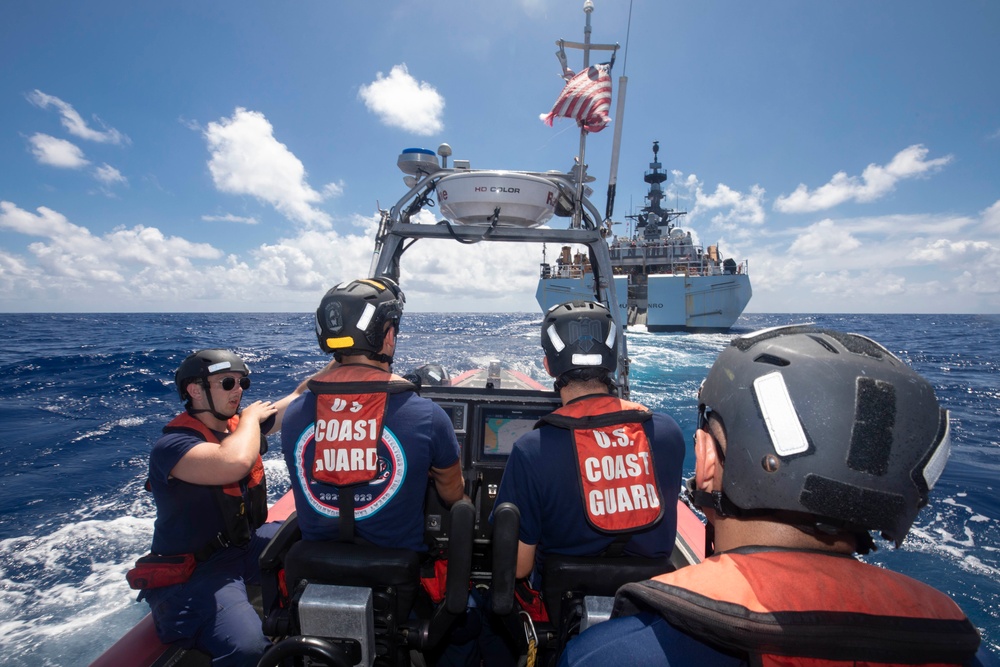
(83, 396)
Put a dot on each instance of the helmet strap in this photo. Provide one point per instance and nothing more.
(374, 356)
(718, 502)
(211, 404)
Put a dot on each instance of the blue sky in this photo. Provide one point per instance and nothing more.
(198, 156)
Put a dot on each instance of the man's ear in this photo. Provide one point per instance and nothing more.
(389, 341)
(545, 362)
(706, 460)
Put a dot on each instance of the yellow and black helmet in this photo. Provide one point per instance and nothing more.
(352, 316)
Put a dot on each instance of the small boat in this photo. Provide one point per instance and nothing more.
(335, 601)
(669, 282)
(490, 409)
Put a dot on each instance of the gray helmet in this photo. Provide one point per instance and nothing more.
(828, 424)
(351, 317)
(198, 366)
(579, 335)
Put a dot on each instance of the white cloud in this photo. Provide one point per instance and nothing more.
(855, 285)
(71, 257)
(108, 175)
(942, 251)
(824, 238)
(897, 263)
(875, 182)
(57, 152)
(401, 101)
(743, 207)
(991, 218)
(229, 217)
(732, 209)
(885, 264)
(331, 190)
(139, 268)
(246, 159)
(74, 123)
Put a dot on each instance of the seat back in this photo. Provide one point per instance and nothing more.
(566, 580)
(393, 575)
(345, 564)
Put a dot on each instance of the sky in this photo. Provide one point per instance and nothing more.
(232, 156)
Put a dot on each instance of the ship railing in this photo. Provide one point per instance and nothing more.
(670, 259)
(563, 270)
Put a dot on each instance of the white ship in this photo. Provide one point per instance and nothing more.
(670, 282)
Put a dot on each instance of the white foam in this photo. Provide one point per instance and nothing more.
(68, 583)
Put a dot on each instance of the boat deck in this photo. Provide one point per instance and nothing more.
(496, 378)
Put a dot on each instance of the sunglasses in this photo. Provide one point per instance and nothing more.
(229, 383)
(703, 412)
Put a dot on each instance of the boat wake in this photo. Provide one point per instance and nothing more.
(65, 591)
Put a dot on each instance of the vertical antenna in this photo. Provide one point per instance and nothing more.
(619, 123)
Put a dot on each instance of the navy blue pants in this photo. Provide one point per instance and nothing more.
(210, 611)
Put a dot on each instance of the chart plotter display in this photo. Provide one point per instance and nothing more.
(501, 428)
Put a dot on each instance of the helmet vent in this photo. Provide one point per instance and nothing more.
(874, 421)
(860, 345)
(826, 344)
(771, 359)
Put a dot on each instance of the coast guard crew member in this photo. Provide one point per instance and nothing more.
(207, 480)
(808, 439)
(362, 427)
(599, 473)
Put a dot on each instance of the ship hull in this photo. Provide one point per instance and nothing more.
(670, 302)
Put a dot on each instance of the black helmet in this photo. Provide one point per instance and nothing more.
(579, 335)
(828, 424)
(199, 365)
(433, 375)
(351, 317)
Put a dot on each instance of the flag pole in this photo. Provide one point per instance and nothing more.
(588, 9)
(577, 102)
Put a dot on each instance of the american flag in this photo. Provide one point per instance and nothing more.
(586, 98)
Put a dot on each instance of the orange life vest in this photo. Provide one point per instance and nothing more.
(238, 520)
(351, 402)
(614, 462)
(789, 607)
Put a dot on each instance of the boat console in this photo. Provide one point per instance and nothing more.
(487, 421)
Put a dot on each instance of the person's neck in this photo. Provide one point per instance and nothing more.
(733, 532)
(575, 390)
(213, 422)
(365, 361)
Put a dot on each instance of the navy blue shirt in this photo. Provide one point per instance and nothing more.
(389, 511)
(542, 479)
(644, 640)
(187, 515)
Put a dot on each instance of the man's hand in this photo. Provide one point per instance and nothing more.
(259, 411)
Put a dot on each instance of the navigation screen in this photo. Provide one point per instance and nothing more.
(502, 426)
